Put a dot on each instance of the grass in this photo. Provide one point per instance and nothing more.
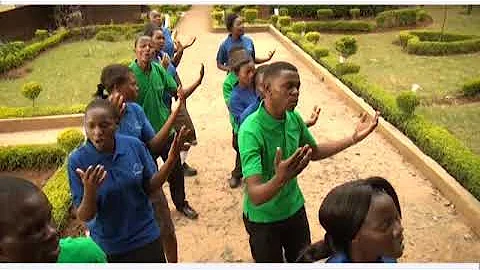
(68, 73)
(462, 121)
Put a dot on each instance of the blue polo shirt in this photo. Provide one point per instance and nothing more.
(169, 47)
(244, 41)
(171, 70)
(125, 218)
(240, 101)
(135, 123)
(343, 258)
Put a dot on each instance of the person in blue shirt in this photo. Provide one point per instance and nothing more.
(363, 223)
(237, 37)
(111, 177)
(120, 84)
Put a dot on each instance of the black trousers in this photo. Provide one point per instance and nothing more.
(270, 241)
(149, 253)
(237, 171)
(176, 179)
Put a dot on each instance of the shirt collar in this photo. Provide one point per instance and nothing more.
(266, 118)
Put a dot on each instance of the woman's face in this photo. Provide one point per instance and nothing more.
(143, 49)
(158, 40)
(100, 127)
(245, 74)
(129, 89)
(237, 28)
(381, 233)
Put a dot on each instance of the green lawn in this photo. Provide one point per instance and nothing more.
(463, 121)
(68, 73)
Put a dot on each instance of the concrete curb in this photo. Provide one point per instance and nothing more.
(39, 123)
(464, 202)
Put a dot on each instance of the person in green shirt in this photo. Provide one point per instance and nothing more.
(152, 81)
(28, 234)
(275, 146)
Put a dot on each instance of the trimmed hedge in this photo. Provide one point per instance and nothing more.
(250, 15)
(57, 191)
(298, 27)
(41, 34)
(274, 19)
(401, 17)
(355, 13)
(106, 35)
(313, 36)
(283, 11)
(319, 52)
(323, 14)
(408, 101)
(346, 68)
(284, 21)
(339, 11)
(69, 139)
(15, 112)
(471, 88)
(11, 48)
(340, 26)
(428, 43)
(34, 157)
(433, 140)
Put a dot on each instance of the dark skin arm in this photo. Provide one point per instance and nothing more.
(180, 49)
(284, 171)
(186, 92)
(259, 60)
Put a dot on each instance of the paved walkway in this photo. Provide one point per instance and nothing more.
(433, 230)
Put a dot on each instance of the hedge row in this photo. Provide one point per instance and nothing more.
(471, 88)
(401, 17)
(15, 57)
(57, 191)
(30, 157)
(433, 140)
(15, 112)
(340, 26)
(339, 11)
(434, 43)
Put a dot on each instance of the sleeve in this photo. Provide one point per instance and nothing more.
(222, 56)
(149, 166)
(249, 110)
(76, 184)
(305, 137)
(147, 130)
(250, 153)
(169, 82)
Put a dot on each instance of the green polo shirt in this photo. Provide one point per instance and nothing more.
(151, 87)
(80, 250)
(259, 136)
(230, 81)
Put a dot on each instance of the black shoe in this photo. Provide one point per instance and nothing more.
(188, 171)
(234, 182)
(189, 212)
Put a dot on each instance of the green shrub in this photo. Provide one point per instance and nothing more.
(218, 16)
(407, 101)
(125, 62)
(428, 43)
(313, 36)
(286, 29)
(340, 26)
(284, 21)
(251, 15)
(57, 191)
(471, 88)
(11, 48)
(323, 14)
(355, 13)
(173, 21)
(70, 139)
(400, 17)
(423, 16)
(274, 19)
(298, 27)
(319, 52)
(31, 90)
(346, 68)
(261, 21)
(106, 35)
(41, 34)
(283, 11)
(30, 157)
(17, 112)
(346, 46)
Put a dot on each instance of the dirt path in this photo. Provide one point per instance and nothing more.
(434, 232)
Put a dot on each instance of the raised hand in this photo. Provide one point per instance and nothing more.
(270, 54)
(179, 45)
(313, 117)
(92, 178)
(191, 43)
(118, 102)
(287, 169)
(365, 127)
(178, 141)
(202, 72)
(165, 60)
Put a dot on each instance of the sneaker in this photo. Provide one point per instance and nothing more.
(188, 171)
(234, 182)
(189, 212)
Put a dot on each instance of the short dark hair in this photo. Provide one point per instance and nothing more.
(150, 28)
(104, 104)
(112, 75)
(342, 214)
(229, 21)
(258, 71)
(275, 68)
